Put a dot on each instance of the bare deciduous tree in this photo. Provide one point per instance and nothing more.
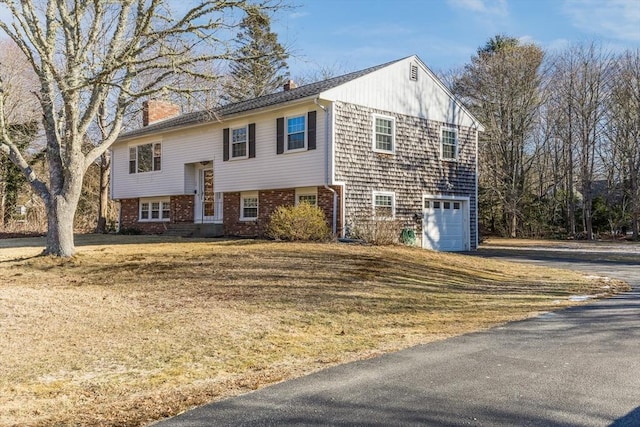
(90, 54)
(501, 86)
(623, 129)
(21, 112)
(581, 75)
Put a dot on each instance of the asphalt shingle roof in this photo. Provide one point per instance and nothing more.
(218, 114)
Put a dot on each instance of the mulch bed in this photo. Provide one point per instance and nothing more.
(4, 235)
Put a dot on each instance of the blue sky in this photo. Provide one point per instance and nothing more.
(348, 35)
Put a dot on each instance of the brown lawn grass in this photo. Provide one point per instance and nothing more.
(135, 328)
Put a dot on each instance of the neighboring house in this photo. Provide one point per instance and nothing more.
(386, 142)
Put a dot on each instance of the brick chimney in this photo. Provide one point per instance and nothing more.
(156, 110)
(289, 85)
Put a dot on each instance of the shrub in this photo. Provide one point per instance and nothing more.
(302, 222)
(377, 231)
(130, 231)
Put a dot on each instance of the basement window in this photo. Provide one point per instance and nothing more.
(154, 210)
(307, 195)
(249, 206)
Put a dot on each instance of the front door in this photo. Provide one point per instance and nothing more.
(205, 202)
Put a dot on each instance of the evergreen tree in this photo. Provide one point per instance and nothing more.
(261, 63)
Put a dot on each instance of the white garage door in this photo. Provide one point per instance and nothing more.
(444, 225)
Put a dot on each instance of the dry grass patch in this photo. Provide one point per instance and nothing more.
(128, 332)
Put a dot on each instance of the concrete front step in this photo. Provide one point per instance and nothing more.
(194, 230)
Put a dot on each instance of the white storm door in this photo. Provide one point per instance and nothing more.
(205, 202)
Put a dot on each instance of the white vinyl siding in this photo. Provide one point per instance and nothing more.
(183, 148)
(269, 170)
(390, 89)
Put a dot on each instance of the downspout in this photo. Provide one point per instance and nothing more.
(476, 176)
(334, 222)
(111, 193)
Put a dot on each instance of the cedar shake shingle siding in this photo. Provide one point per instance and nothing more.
(413, 171)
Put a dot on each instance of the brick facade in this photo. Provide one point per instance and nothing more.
(268, 201)
(325, 202)
(182, 208)
(181, 211)
(156, 110)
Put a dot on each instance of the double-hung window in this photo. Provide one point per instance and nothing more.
(239, 143)
(154, 210)
(383, 134)
(145, 158)
(308, 198)
(296, 133)
(448, 144)
(249, 206)
(384, 204)
(307, 195)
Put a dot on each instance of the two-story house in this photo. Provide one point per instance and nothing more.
(389, 141)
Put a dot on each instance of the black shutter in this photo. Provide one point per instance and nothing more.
(225, 144)
(252, 140)
(280, 135)
(311, 132)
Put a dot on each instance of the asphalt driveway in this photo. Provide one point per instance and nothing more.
(576, 367)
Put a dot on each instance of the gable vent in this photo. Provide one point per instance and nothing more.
(413, 73)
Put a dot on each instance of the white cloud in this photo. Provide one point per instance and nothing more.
(526, 39)
(298, 15)
(616, 19)
(487, 7)
(558, 45)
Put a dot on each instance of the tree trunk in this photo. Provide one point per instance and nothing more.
(60, 216)
(635, 203)
(103, 204)
(571, 204)
(3, 198)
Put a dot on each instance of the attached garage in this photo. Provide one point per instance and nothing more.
(445, 224)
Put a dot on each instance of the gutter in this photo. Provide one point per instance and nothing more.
(149, 131)
(334, 222)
